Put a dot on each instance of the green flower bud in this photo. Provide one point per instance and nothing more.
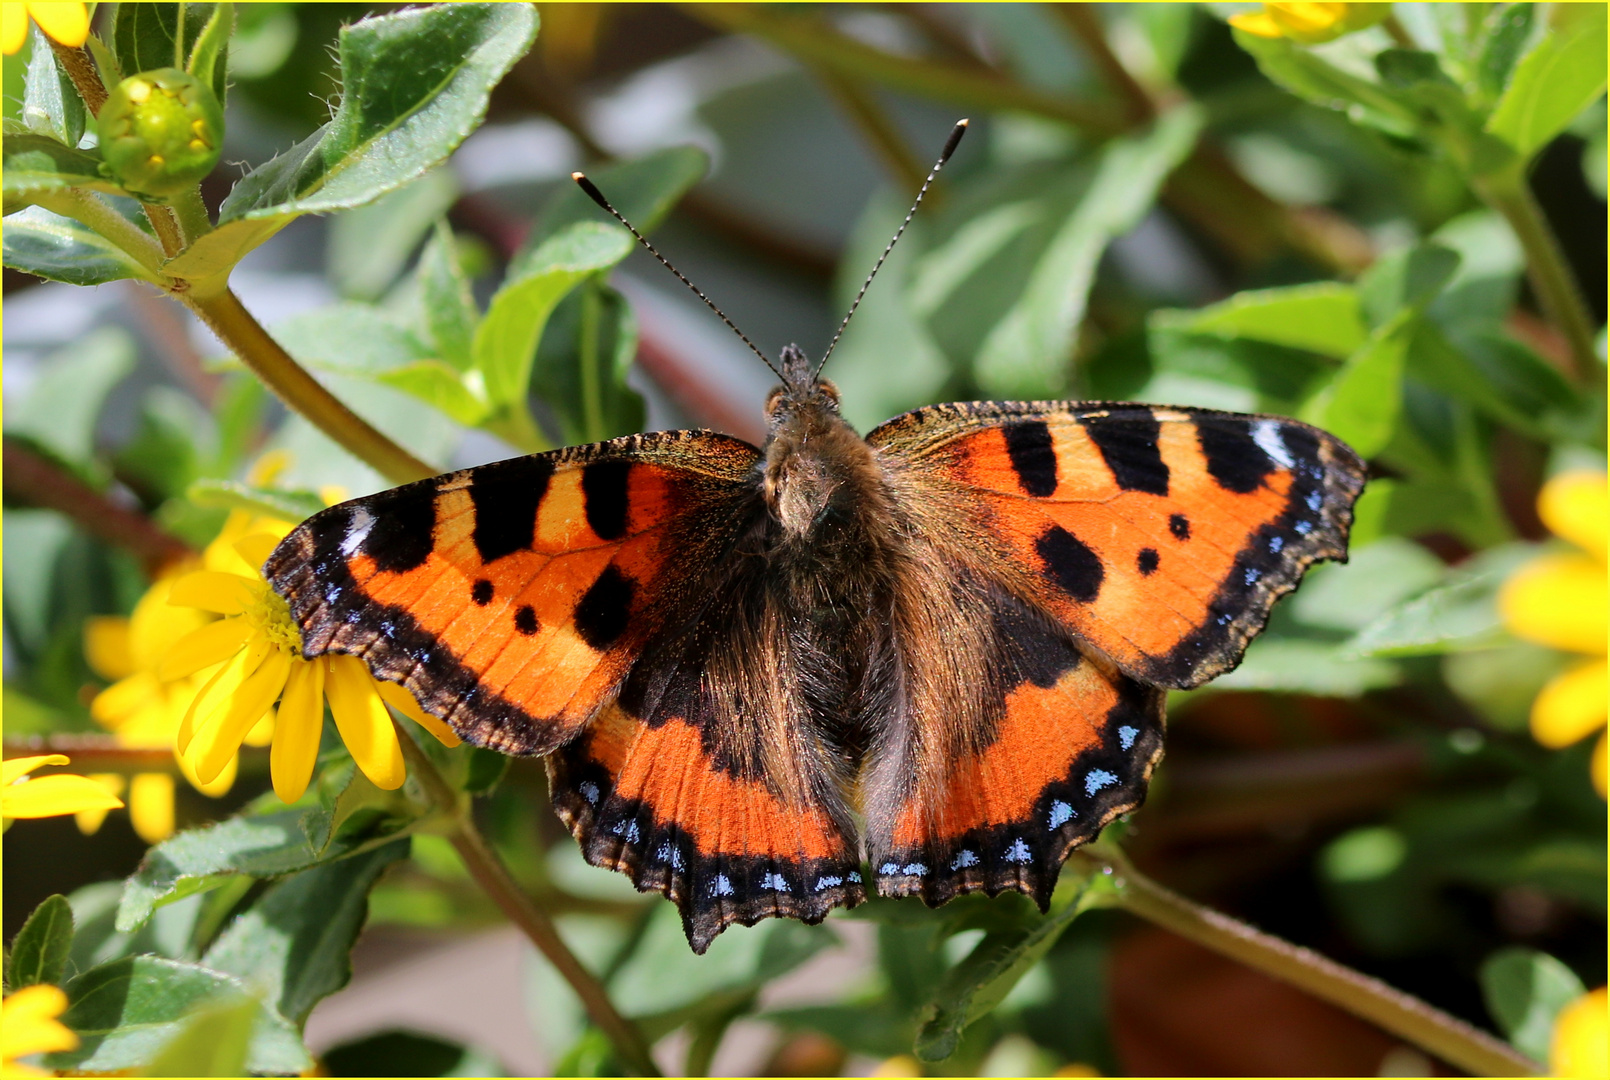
(161, 132)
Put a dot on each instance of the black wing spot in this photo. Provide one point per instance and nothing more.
(402, 535)
(605, 608)
(525, 620)
(481, 592)
(1129, 446)
(1180, 526)
(1146, 561)
(603, 486)
(1028, 444)
(1074, 567)
(506, 495)
(1234, 460)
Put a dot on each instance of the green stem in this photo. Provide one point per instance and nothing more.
(813, 40)
(166, 227)
(488, 870)
(245, 337)
(98, 214)
(1408, 1017)
(1546, 268)
(191, 213)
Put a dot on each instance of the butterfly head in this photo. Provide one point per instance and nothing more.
(801, 391)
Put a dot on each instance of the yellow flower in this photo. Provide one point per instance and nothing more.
(1560, 599)
(1311, 24)
(259, 649)
(1581, 1037)
(28, 1025)
(48, 796)
(68, 23)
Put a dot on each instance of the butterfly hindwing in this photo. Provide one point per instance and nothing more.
(512, 598)
(1159, 537)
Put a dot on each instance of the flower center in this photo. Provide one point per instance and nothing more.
(269, 614)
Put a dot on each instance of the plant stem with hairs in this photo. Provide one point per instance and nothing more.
(1404, 1015)
(488, 870)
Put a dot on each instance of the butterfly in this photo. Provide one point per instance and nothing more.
(769, 680)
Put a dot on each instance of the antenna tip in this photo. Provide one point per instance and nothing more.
(956, 134)
(578, 177)
(962, 122)
(592, 190)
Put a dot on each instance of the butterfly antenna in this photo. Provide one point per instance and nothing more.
(598, 197)
(956, 134)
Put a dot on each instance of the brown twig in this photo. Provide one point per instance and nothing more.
(33, 479)
(494, 878)
(1085, 25)
(103, 753)
(877, 128)
(80, 68)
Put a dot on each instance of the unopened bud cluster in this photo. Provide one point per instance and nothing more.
(160, 132)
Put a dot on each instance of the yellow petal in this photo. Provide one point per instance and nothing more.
(219, 689)
(151, 806)
(213, 590)
(13, 27)
(155, 624)
(219, 785)
(1581, 1037)
(112, 706)
(1576, 507)
(1559, 600)
(14, 769)
(28, 1023)
(400, 699)
(1573, 705)
(106, 646)
(218, 741)
(363, 721)
(262, 732)
(207, 645)
(49, 796)
(257, 547)
(1256, 22)
(68, 23)
(297, 730)
(89, 821)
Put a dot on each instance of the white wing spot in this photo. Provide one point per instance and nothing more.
(670, 854)
(589, 791)
(889, 868)
(775, 881)
(1060, 812)
(915, 869)
(1266, 433)
(357, 531)
(855, 876)
(963, 858)
(1276, 543)
(1096, 779)
(1253, 574)
(831, 882)
(1315, 500)
(1304, 527)
(1019, 852)
(1126, 736)
(721, 886)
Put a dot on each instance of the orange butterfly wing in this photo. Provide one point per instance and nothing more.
(511, 599)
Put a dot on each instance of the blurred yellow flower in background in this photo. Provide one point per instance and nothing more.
(1311, 24)
(22, 796)
(255, 654)
(1560, 599)
(67, 23)
(28, 1025)
(1581, 1042)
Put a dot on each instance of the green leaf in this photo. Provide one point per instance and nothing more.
(145, 37)
(126, 1011)
(643, 190)
(1026, 354)
(1375, 579)
(1457, 616)
(234, 495)
(57, 248)
(1508, 28)
(414, 84)
(60, 410)
(409, 1053)
(1313, 78)
(1307, 666)
(200, 859)
(1525, 990)
(369, 246)
(1361, 402)
(293, 943)
(982, 980)
(350, 338)
(441, 385)
(450, 314)
(209, 57)
(1406, 280)
(50, 104)
(39, 951)
(586, 350)
(1561, 76)
(212, 1041)
(506, 341)
(1323, 317)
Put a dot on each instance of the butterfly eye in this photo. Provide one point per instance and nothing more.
(774, 401)
(830, 392)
